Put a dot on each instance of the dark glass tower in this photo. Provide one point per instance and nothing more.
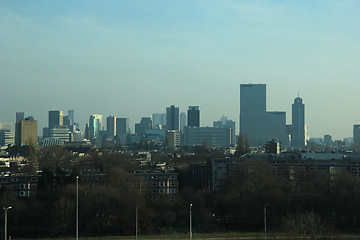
(298, 123)
(193, 116)
(172, 118)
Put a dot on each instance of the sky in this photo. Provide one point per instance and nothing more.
(134, 58)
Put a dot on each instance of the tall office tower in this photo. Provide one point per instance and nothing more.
(159, 120)
(95, 125)
(26, 132)
(71, 115)
(172, 118)
(67, 121)
(55, 118)
(253, 113)
(182, 121)
(111, 126)
(193, 116)
(298, 123)
(145, 124)
(356, 134)
(19, 117)
(256, 123)
(122, 126)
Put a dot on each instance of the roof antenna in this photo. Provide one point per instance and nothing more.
(298, 94)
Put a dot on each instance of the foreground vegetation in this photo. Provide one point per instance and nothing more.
(314, 210)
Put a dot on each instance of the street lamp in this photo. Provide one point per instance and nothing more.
(190, 222)
(136, 223)
(5, 210)
(265, 205)
(77, 207)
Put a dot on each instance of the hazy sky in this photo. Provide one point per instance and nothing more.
(133, 58)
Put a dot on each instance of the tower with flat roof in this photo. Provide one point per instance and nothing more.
(298, 123)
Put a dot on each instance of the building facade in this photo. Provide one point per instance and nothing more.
(298, 123)
(193, 116)
(172, 118)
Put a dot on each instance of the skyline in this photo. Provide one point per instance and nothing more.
(133, 58)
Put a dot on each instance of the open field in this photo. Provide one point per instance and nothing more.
(199, 236)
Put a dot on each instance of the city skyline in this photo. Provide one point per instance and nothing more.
(131, 60)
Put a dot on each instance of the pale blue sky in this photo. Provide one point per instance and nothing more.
(134, 58)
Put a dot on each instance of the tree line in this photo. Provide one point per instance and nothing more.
(332, 202)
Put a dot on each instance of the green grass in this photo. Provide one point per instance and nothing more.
(197, 236)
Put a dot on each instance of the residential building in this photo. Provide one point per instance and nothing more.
(173, 139)
(156, 183)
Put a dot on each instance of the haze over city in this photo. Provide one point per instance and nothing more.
(134, 58)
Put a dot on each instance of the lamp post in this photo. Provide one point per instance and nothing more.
(190, 222)
(77, 207)
(5, 210)
(265, 205)
(136, 221)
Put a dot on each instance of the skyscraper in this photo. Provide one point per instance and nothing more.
(122, 126)
(71, 115)
(19, 116)
(95, 125)
(172, 118)
(253, 112)
(256, 123)
(111, 126)
(193, 116)
(55, 118)
(182, 121)
(298, 123)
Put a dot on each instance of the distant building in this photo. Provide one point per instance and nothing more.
(7, 137)
(193, 116)
(256, 123)
(298, 123)
(26, 132)
(356, 134)
(22, 185)
(95, 125)
(156, 183)
(19, 117)
(214, 136)
(56, 118)
(225, 122)
(60, 132)
(71, 114)
(145, 124)
(173, 139)
(111, 126)
(122, 126)
(159, 120)
(328, 140)
(172, 118)
(183, 121)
